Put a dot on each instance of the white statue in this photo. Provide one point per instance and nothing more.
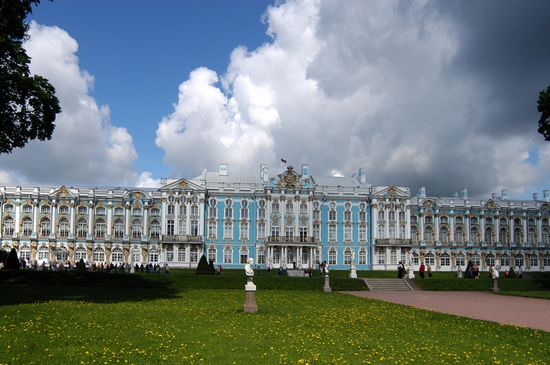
(494, 273)
(352, 259)
(248, 267)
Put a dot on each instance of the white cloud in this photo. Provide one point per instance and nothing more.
(146, 181)
(85, 148)
(345, 84)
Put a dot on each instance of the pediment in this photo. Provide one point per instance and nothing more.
(182, 185)
(63, 193)
(392, 192)
(491, 205)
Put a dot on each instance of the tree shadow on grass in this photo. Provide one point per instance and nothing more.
(23, 287)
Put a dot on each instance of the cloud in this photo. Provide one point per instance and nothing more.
(146, 181)
(86, 148)
(420, 93)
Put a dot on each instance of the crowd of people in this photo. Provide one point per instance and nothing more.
(60, 265)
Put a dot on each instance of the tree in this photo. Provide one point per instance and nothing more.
(28, 105)
(544, 108)
(12, 262)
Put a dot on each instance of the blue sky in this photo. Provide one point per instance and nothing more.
(440, 94)
(139, 53)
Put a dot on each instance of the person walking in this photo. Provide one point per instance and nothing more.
(421, 270)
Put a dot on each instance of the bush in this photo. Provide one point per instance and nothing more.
(4, 256)
(12, 262)
(511, 273)
(203, 268)
(81, 266)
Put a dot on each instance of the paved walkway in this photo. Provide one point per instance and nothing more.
(516, 311)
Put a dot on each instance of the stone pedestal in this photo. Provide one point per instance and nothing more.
(495, 286)
(411, 273)
(353, 273)
(327, 288)
(250, 305)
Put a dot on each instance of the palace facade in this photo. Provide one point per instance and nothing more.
(293, 219)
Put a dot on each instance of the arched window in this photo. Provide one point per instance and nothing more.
(98, 254)
(63, 228)
(445, 259)
(82, 210)
(27, 226)
(136, 229)
(289, 231)
(503, 236)
(275, 232)
(303, 232)
(428, 235)
(443, 235)
(532, 236)
(9, 226)
(459, 235)
(544, 236)
(118, 228)
(430, 259)
(45, 227)
(518, 236)
(414, 234)
(117, 255)
(473, 235)
(100, 228)
(80, 254)
(82, 228)
(154, 229)
(489, 236)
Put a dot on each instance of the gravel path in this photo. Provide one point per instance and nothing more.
(517, 311)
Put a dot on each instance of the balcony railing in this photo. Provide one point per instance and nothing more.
(292, 239)
(393, 242)
(182, 238)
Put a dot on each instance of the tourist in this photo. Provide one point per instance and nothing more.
(421, 270)
(429, 271)
(459, 273)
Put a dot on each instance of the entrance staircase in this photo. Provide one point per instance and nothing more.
(387, 284)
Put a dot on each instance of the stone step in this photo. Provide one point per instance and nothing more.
(387, 284)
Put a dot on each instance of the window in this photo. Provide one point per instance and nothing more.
(414, 234)
(347, 257)
(194, 227)
(362, 216)
(533, 261)
(381, 215)
(505, 261)
(228, 230)
(80, 254)
(182, 254)
(119, 211)
(332, 232)
(289, 208)
(443, 235)
(63, 228)
(136, 229)
(275, 207)
(82, 210)
(476, 259)
(275, 232)
(136, 255)
(182, 226)
(137, 211)
(243, 254)
(118, 228)
(212, 230)
(227, 255)
(244, 213)
(303, 232)
(171, 210)
(444, 220)
(428, 219)
(261, 213)
(517, 222)
(347, 216)
(391, 215)
(244, 231)
(154, 230)
(261, 256)
(25, 253)
(228, 213)
(45, 209)
(473, 235)
(153, 255)
(27, 208)
(303, 208)
(332, 257)
(518, 261)
(430, 259)
(100, 228)
(261, 231)
(381, 231)
(194, 254)
(362, 257)
(155, 212)
(428, 235)
(316, 215)
(100, 211)
(531, 236)
(518, 234)
(98, 255)
(473, 220)
(195, 210)
(212, 212)
(393, 257)
(63, 209)
(490, 260)
(117, 255)
(459, 220)
(503, 236)
(382, 257)
(402, 231)
(170, 227)
(544, 236)
(8, 208)
(489, 236)
(503, 221)
(546, 261)
(414, 219)
(460, 260)
(9, 226)
(332, 215)
(183, 209)
(289, 231)
(489, 221)
(391, 231)
(362, 233)
(212, 254)
(43, 253)
(27, 226)
(317, 232)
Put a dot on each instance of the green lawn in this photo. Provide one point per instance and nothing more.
(152, 319)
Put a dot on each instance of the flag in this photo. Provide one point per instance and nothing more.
(283, 161)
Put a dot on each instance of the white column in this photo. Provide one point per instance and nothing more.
(35, 217)
(127, 220)
(72, 206)
(91, 220)
(146, 219)
(17, 217)
(452, 225)
(202, 215)
(53, 215)
(109, 218)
